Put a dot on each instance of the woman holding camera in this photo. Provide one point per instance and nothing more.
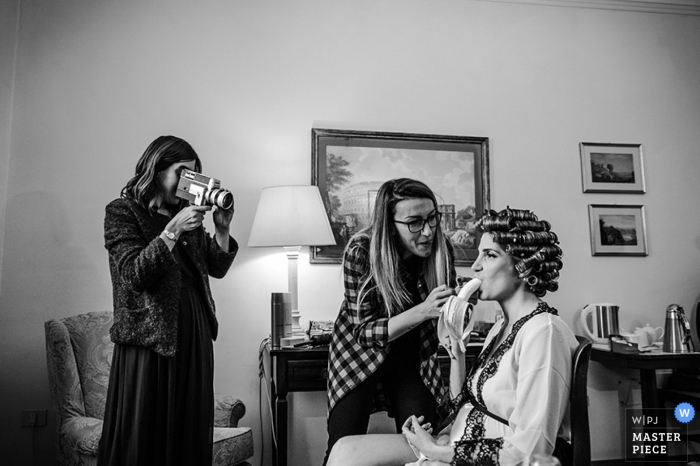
(397, 273)
(160, 401)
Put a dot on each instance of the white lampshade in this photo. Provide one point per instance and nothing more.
(291, 216)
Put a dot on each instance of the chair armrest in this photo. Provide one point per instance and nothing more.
(82, 434)
(64, 381)
(227, 411)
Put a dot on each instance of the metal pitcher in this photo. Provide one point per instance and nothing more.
(677, 336)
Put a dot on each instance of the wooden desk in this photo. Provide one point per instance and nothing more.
(306, 370)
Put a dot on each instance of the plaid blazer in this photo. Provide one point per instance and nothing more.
(360, 335)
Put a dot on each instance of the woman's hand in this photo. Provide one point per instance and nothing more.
(222, 222)
(418, 434)
(223, 217)
(187, 219)
(433, 303)
(428, 309)
(455, 346)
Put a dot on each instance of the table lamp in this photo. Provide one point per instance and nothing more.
(291, 217)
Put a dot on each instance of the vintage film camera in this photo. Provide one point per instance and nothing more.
(200, 189)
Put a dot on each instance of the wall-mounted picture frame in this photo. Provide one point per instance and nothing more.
(612, 168)
(617, 230)
(350, 166)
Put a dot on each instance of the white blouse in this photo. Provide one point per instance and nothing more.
(530, 389)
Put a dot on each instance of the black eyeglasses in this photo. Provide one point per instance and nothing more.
(414, 226)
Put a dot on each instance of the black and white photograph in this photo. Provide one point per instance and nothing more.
(349, 232)
(617, 230)
(612, 168)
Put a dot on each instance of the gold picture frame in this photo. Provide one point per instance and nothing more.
(349, 166)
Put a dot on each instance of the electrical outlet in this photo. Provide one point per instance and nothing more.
(36, 418)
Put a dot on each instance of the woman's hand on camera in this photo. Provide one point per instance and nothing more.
(433, 303)
(223, 217)
(188, 219)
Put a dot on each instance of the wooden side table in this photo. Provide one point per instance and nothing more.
(306, 370)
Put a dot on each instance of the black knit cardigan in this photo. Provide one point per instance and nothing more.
(146, 275)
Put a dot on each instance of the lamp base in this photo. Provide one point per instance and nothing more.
(297, 330)
(291, 341)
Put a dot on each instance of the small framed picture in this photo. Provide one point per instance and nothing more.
(612, 168)
(617, 230)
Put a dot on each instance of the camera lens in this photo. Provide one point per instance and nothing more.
(220, 198)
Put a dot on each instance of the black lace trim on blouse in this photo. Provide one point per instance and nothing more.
(491, 365)
(473, 448)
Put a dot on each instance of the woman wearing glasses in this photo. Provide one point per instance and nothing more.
(513, 403)
(397, 272)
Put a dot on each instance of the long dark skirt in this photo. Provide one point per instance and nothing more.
(160, 410)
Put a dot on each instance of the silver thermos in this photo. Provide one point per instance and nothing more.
(677, 336)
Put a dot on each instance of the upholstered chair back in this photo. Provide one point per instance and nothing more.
(79, 355)
(89, 337)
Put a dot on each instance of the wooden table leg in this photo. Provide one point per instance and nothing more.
(650, 395)
(650, 402)
(280, 414)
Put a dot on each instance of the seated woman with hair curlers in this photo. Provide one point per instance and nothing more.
(514, 401)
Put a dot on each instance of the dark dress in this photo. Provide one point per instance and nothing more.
(160, 410)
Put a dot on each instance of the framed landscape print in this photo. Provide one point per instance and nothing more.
(350, 166)
(617, 230)
(612, 168)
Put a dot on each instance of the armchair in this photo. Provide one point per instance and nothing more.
(79, 356)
